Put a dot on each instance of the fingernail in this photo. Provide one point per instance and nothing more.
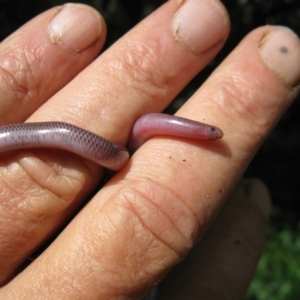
(200, 24)
(280, 49)
(75, 27)
(258, 193)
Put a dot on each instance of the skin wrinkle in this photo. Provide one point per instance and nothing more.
(32, 205)
(128, 251)
(71, 167)
(60, 171)
(244, 108)
(232, 104)
(89, 274)
(164, 189)
(65, 288)
(106, 125)
(7, 64)
(34, 70)
(25, 232)
(144, 57)
(241, 105)
(17, 72)
(113, 271)
(24, 214)
(52, 195)
(153, 186)
(21, 66)
(42, 184)
(89, 258)
(137, 63)
(177, 169)
(106, 232)
(134, 244)
(14, 199)
(135, 210)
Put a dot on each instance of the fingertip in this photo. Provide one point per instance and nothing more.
(188, 27)
(75, 27)
(280, 49)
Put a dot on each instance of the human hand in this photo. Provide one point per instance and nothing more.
(151, 213)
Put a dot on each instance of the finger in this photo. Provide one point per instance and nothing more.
(148, 216)
(140, 73)
(36, 61)
(136, 75)
(222, 264)
(246, 102)
(44, 55)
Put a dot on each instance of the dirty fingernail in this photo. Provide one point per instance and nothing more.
(200, 24)
(75, 27)
(280, 49)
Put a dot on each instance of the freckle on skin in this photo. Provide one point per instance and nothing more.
(283, 49)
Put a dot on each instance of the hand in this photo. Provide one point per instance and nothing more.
(149, 215)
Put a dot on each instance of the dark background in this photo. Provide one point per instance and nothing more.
(278, 162)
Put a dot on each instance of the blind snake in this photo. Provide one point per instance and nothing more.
(96, 148)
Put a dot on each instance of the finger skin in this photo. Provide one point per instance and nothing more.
(34, 65)
(223, 263)
(136, 75)
(161, 204)
(149, 215)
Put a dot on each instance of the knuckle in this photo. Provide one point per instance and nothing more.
(239, 98)
(243, 97)
(143, 201)
(132, 224)
(33, 194)
(139, 64)
(38, 188)
(19, 74)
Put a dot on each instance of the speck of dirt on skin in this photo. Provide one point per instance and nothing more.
(283, 49)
